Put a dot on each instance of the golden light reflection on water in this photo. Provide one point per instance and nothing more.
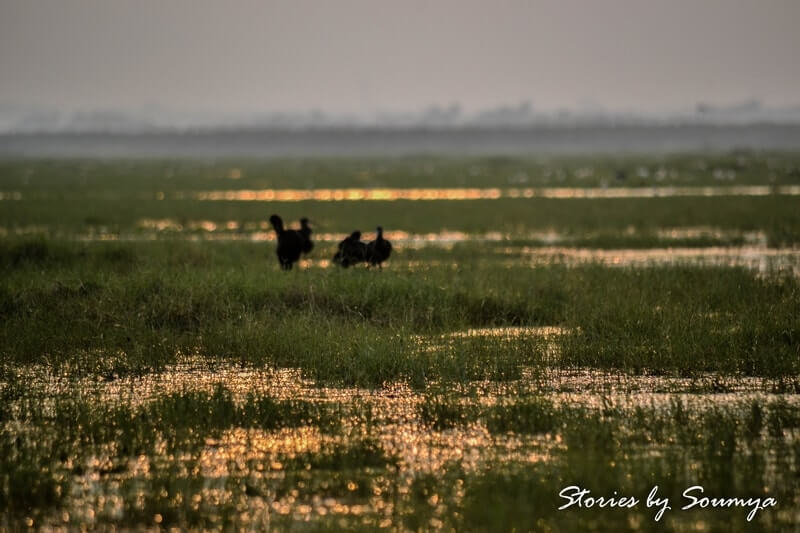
(770, 262)
(708, 232)
(338, 195)
(545, 248)
(544, 334)
(510, 332)
(456, 194)
(396, 426)
(753, 257)
(490, 193)
(759, 259)
(261, 231)
(754, 254)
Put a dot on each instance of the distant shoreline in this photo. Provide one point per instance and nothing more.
(381, 141)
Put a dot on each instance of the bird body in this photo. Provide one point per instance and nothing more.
(305, 232)
(351, 251)
(290, 243)
(378, 250)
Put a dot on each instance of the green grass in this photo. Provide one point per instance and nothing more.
(399, 423)
(741, 449)
(121, 176)
(79, 198)
(586, 222)
(613, 452)
(114, 309)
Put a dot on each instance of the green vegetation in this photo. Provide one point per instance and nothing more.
(742, 449)
(176, 378)
(88, 198)
(115, 309)
(56, 177)
(615, 453)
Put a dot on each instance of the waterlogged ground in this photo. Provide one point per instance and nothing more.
(233, 447)
(548, 325)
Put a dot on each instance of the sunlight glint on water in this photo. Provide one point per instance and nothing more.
(493, 193)
(396, 424)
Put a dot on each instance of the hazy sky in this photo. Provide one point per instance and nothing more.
(363, 56)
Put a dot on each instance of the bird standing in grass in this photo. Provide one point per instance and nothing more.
(305, 232)
(351, 251)
(378, 250)
(290, 243)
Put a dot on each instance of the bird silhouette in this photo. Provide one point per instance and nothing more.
(378, 250)
(351, 251)
(290, 243)
(305, 232)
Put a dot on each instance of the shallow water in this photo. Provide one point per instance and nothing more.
(759, 259)
(489, 193)
(394, 406)
(262, 231)
(459, 193)
(544, 248)
(394, 422)
(506, 251)
(764, 261)
(452, 193)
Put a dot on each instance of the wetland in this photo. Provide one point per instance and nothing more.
(159, 371)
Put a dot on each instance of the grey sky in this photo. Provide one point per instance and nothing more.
(363, 56)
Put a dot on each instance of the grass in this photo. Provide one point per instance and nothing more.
(586, 222)
(741, 449)
(402, 422)
(612, 453)
(113, 309)
(68, 176)
(80, 198)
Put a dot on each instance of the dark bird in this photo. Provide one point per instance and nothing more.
(351, 251)
(378, 250)
(290, 243)
(305, 232)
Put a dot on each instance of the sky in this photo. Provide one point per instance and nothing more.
(354, 56)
